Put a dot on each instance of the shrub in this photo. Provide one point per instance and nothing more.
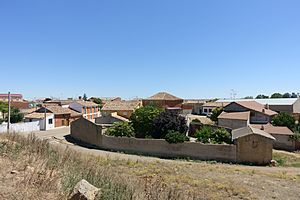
(176, 137)
(168, 121)
(142, 120)
(120, 129)
(284, 119)
(207, 135)
(215, 114)
(204, 134)
(221, 136)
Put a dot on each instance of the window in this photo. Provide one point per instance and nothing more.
(50, 121)
(209, 110)
(205, 110)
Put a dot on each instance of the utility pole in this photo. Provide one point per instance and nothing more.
(45, 116)
(8, 117)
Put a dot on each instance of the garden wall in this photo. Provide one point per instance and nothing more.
(91, 133)
(21, 127)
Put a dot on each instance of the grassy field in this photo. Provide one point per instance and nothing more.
(44, 172)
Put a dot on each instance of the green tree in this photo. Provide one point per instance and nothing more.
(248, 97)
(84, 97)
(215, 114)
(284, 119)
(286, 95)
(3, 108)
(15, 115)
(262, 96)
(142, 120)
(276, 96)
(221, 136)
(294, 95)
(120, 129)
(98, 101)
(168, 121)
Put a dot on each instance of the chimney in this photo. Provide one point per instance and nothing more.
(262, 127)
(267, 106)
(263, 110)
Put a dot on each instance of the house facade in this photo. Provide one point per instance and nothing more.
(259, 114)
(35, 116)
(88, 109)
(208, 107)
(13, 97)
(234, 120)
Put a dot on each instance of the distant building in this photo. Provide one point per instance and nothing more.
(259, 114)
(106, 99)
(208, 107)
(164, 100)
(193, 106)
(88, 109)
(13, 97)
(122, 108)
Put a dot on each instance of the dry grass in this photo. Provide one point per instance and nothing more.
(47, 172)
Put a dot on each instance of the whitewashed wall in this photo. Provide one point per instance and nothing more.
(21, 127)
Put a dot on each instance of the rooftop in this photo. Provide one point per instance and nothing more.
(269, 128)
(163, 96)
(253, 105)
(86, 103)
(235, 115)
(121, 105)
(275, 101)
(248, 130)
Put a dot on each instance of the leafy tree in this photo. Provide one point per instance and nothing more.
(15, 115)
(276, 96)
(84, 97)
(120, 129)
(215, 114)
(248, 97)
(168, 121)
(142, 120)
(294, 95)
(286, 95)
(98, 101)
(262, 96)
(284, 119)
(176, 137)
(3, 108)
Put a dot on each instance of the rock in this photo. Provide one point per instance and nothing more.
(14, 172)
(274, 163)
(84, 191)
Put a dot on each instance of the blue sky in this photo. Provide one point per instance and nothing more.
(192, 48)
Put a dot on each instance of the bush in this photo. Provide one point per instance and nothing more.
(221, 136)
(207, 135)
(284, 119)
(120, 129)
(215, 114)
(176, 137)
(142, 120)
(168, 121)
(204, 134)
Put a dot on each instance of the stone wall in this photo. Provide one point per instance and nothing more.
(243, 151)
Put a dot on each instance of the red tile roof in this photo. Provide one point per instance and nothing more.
(235, 115)
(269, 128)
(253, 105)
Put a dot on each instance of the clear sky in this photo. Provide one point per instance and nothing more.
(128, 48)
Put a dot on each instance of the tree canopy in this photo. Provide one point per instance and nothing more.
(142, 120)
(98, 101)
(215, 114)
(284, 119)
(262, 96)
(276, 96)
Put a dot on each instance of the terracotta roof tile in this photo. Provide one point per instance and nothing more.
(269, 128)
(121, 105)
(163, 96)
(253, 105)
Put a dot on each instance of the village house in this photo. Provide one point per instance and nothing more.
(122, 108)
(36, 116)
(106, 99)
(259, 114)
(88, 109)
(192, 106)
(208, 107)
(282, 135)
(62, 116)
(234, 120)
(13, 97)
(164, 100)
